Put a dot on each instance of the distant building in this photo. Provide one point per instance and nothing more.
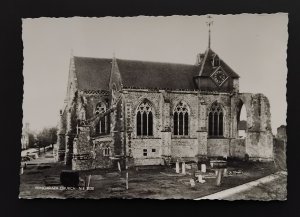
(25, 136)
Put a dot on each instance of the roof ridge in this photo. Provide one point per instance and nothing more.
(203, 62)
(97, 58)
(157, 62)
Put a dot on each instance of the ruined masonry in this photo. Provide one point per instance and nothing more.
(151, 113)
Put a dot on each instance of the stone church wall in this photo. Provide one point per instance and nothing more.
(184, 148)
(152, 148)
(163, 142)
(218, 147)
(180, 146)
(237, 148)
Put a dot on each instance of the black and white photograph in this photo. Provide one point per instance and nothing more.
(156, 107)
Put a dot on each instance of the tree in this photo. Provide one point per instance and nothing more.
(47, 137)
(31, 141)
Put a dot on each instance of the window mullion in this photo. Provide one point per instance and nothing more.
(182, 123)
(147, 130)
(218, 130)
(105, 124)
(178, 123)
(100, 126)
(142, 133)
(213, 126)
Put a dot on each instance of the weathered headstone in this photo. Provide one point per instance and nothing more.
(177, 166)
(187, 166)
(219, 176)
(192, 182)
(119, 166)
(203, 168)
(183, 168)
(200, 179)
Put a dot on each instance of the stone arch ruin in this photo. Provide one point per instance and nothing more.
(258, 143)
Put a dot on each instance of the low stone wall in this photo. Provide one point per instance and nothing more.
(184, 147)
(237, 148)
(217, 147)
(259, 146)
(280, 153)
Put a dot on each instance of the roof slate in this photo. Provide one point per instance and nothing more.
(157, 75)
(92, 73)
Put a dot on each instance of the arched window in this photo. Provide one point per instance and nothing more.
(181, 120)
(215, 120)
(102, 127)
(144, 119)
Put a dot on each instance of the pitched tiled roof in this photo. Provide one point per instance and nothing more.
(92, 73)
(207, 68)
(144, 74)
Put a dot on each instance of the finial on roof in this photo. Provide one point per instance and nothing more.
(114, 55)
(209, 22)
(72, 52)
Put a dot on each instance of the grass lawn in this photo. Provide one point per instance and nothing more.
(274, 190)
(159, 183)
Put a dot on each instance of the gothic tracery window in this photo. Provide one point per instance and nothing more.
(102, 127)
(215, 120)
(181, 120)
(144, 119)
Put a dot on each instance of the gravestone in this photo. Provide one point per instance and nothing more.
(192, 182)
(183, 168)
(177, 166)
(203, 168)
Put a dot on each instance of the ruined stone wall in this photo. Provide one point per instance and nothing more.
(280, 153)
(259, 138)
(281, 133)
(237, 148)
(90, 153)
(100, 158)
(82, 150)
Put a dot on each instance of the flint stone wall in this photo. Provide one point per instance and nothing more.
(237, 148)
(218, 147)
(88, 154)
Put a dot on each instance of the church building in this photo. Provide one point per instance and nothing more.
(152, 113)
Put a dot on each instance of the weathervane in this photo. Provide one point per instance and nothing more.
(209, 22)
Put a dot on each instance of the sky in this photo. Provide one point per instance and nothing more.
(253, 45)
